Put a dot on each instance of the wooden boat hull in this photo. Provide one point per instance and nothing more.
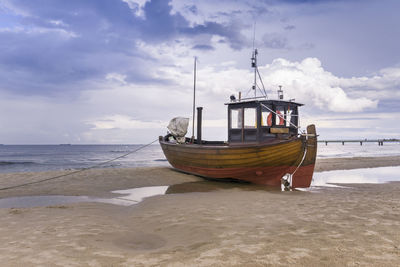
(259, 163)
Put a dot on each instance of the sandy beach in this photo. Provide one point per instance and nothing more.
(202, 223)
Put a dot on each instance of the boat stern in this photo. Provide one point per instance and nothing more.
(303, 175)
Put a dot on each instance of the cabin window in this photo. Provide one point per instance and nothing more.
(280, 116)
(288, 117)
(266, 115)
(250, 118)
(264, 118)
(236, 118)
(294, 116)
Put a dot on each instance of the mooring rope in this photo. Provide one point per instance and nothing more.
(290, 175)
(304, 155)
(78, 171)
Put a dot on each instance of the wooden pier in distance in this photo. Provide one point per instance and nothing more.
(378, 141)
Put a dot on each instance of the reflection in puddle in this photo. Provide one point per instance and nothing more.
(209, 185)
(130, 196)
(37, 201)
(133, 196)
(357, 176)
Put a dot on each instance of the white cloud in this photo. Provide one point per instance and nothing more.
(308, 82)
(123, 122)
(117, 110)
(387, 78)
(197, 12)
(120, 78)
(136, 6)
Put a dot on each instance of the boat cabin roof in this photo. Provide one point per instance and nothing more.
(253, 101)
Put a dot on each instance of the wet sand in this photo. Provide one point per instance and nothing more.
(217, 224)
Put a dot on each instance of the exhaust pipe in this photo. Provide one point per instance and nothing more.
(199, 119)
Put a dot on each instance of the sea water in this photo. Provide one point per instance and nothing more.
(337, 150)
(36, 158)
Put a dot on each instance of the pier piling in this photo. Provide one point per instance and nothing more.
(361, 141)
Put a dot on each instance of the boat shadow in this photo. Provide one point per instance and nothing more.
(210, 185)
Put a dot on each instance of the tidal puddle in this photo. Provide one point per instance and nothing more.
(357, 176)
(130, 197)
(38, 201)
(135, 195)
(210, 185)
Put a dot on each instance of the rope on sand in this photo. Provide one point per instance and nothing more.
(78, 171)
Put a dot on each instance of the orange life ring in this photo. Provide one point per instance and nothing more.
(281, 120)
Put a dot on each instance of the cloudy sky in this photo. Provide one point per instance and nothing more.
(116, 71)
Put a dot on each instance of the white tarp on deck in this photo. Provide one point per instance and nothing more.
(178, 128)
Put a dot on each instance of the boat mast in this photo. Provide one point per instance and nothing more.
(194, 96)
(254, 61)
(257, 73)
(254, 65)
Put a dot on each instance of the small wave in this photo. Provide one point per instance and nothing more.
(15, 162)
(112, 165)
(160, 160)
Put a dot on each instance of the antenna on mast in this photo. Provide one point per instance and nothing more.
(194, 96)
(254, 65)
(254, 32)
(254, 60)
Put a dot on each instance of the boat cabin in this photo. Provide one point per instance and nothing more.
(257, 121)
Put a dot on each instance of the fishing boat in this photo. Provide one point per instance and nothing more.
(264, 146)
